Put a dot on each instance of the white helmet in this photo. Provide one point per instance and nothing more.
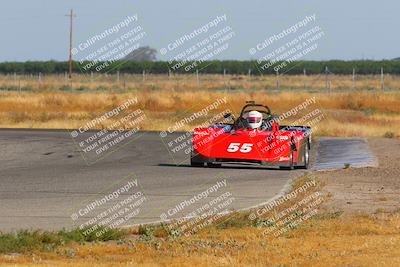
(254, 119)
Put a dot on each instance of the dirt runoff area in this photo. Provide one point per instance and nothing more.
(366, 190)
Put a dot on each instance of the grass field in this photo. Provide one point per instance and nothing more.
(165, 100)
(320, 242)
(188, 82)
(327, 239)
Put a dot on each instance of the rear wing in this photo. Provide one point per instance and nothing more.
(304, 129)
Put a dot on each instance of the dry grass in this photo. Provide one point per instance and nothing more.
(347, 114)
(206, 82)
(329, 242)
(167, 100)
(324, 240)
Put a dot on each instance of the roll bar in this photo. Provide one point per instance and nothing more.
(253, 104)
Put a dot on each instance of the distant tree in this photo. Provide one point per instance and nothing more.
(144, 53)
(145, 60)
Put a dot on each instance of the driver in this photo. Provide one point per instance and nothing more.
(254, 119)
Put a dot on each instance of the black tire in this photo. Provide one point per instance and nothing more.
(196, 163)
(291, 167)
(213, 165)
(291, 164)
(306, 155)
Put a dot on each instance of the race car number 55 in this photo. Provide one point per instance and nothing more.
(244, 148)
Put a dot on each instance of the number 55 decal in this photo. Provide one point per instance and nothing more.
(244, 148)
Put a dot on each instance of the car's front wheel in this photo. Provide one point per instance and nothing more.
(291, 160)
(306, 155)
(196, 162)
(213, 165)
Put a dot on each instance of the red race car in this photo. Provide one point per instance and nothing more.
(254, 137)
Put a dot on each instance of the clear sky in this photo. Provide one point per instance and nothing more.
(353, 29)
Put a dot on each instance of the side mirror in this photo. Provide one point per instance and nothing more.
(227, 115)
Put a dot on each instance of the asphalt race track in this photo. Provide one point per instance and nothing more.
(47, 182)
(44, 181)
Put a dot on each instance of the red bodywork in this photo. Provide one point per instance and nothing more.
(283, 147)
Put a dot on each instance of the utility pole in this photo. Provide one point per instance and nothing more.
(71, 16)
(326, 77)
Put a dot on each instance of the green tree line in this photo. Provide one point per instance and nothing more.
(210, 67)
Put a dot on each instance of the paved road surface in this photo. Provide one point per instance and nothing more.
(44, 180)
